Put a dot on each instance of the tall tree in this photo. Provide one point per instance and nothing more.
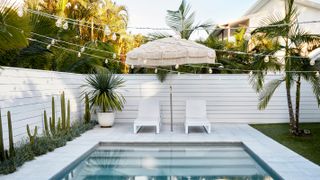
(182, 22)
(293, 40)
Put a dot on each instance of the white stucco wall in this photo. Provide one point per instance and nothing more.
(276, 7)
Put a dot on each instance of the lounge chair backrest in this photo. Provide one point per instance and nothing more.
(196, 109)
(149, 108)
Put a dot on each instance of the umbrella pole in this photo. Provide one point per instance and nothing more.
(171, 108)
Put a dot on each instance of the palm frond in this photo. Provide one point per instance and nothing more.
(14, 30)
(268, 91)
(157, 35)
(102, 90)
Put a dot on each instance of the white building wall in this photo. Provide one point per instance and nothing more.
(276, 8)
(230, 98)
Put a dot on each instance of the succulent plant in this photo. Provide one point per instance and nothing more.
(32, 137)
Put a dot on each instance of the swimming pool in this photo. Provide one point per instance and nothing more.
(153, 161)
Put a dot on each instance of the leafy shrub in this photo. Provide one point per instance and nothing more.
(25, 151)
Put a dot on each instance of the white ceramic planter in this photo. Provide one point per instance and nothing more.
(106, 119)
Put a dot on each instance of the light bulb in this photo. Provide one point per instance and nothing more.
(106, 61)
(317, 74)
(250, 74)
(266, 59)
(59, 22)
(53, 41)
(210, 70)
(155, 70)
(82, 49)
(65, 26)
(177, 66)
(247, 36)
(132, 66)
(312, 62)
(114, 36)
(114, 55)
(20, 12)
(79, 54)
(68, 5)
(49, 46)
(107, 30)
(75, 7)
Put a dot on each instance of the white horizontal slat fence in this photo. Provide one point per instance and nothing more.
(26, 93)
(230, 98)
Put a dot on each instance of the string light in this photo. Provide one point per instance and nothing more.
(251, 73)
(217, 27)
(107, 30)
(179, 73)
(312, 62)
(82, 49)
(145, 61)
(79, 54)
(210, 70)
(53, 41)
(75, 7)
(65, 26)
(114, 36)
(114, 55)
(177, 66)
(59, 22)
(106, 61)
(317, 74)
(266, 59)
(132, 66)
(221, 66)
(68, 5)
(155, 70)
(247, 36)
(20, 11)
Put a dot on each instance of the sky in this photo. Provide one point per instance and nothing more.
(151, 13)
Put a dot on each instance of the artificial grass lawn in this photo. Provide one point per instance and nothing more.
(307, 146)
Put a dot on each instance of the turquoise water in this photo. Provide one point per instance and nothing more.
(168, 162)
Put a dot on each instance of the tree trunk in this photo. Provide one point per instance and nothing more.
(92, 30)
(289, 103)
(296, 129)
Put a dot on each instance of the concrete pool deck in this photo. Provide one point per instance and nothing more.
(285, 162)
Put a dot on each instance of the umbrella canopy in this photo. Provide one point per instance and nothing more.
(170, 51)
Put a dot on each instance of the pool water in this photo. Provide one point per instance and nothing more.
(168, 162)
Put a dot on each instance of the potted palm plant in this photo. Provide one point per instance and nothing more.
(102, 90)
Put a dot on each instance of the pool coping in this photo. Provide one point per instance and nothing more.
(288, 164)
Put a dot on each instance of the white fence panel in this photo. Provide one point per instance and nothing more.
(230, 98)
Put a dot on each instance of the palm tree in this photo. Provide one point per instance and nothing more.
(295, 39)
(182, 22)
(13, 29)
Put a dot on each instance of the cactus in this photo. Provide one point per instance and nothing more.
(59, 124)
(46, 127)
(2, 152)
(11, 146)
(68, 115)
(32, 137)
(52, 120)
(87, 115)
(63, 111)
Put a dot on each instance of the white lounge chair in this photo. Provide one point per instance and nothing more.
(148, 115)
(196, 115)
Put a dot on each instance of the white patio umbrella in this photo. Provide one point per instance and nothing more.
(170, 52)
